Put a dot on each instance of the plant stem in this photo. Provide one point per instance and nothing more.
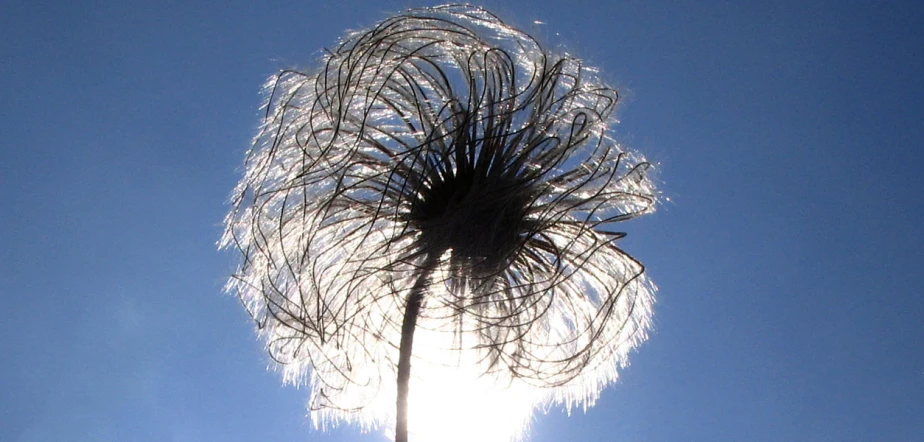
(405, 349)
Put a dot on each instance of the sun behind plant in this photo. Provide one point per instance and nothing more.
(441, 192)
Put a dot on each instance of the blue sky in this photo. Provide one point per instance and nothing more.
(789, 257)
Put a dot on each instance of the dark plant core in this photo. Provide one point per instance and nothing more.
(482, 219)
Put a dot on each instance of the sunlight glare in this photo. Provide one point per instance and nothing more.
(455, 404)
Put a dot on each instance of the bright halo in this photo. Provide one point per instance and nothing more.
(460, 404)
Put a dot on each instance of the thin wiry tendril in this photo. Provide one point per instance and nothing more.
(446, 145)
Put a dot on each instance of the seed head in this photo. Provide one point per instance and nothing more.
(444, 143)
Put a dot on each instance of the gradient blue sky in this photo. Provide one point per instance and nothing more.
(789, 258)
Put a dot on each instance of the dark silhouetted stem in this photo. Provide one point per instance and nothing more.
(414, 303)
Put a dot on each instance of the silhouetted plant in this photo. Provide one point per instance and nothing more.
(440, 177)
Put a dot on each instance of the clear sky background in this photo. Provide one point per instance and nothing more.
(789, 258)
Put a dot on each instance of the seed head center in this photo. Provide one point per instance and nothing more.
(482, 219)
